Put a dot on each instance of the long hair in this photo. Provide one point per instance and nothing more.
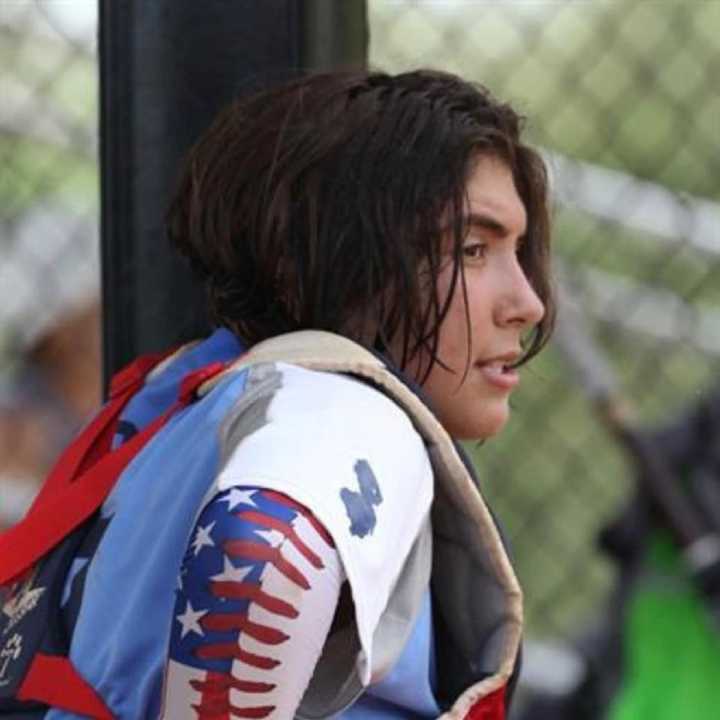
(314, 204)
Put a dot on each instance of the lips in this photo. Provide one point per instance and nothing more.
(494, 367)
(499, 371)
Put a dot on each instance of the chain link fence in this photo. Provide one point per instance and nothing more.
(49, 274)
(623, 100)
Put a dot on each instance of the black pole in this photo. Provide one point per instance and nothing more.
(166, 68)
(335, 34)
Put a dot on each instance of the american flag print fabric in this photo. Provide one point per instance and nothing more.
(256, 593)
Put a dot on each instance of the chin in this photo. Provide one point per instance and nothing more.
(479, 425)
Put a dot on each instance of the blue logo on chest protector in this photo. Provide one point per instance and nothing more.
(359, 505)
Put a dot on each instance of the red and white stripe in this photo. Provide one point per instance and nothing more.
(281, 636)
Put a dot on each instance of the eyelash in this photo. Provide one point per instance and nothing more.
(482, 246)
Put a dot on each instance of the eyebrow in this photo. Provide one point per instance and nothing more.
(488, 223)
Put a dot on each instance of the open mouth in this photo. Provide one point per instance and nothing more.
(496, 366)
(498, 373)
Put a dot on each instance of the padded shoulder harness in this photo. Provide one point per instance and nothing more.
(476, 591)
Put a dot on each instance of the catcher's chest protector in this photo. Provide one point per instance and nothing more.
(477, 599)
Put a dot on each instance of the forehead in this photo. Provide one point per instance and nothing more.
(491, 191)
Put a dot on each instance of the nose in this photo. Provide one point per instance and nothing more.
(519, 305)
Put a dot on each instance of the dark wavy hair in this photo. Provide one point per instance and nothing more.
(314, 205)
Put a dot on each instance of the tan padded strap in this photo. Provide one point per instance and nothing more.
(324, 351)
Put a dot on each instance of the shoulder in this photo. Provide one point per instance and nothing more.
(337, 445)
(330, 392)
(333, 442)
(357, 402)
(317, 415)
(346, 452)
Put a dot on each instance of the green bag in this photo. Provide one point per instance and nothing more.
(671, 646)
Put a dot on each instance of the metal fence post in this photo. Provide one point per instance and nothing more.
(166, 67)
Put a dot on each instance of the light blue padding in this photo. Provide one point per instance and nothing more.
(160, 391)
(407, 692)
(121, 637)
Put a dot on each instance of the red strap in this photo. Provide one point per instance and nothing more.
(192, 381)
(23, 545)
(491, 707)
(96, 438)
(134, 373)
(54, 681)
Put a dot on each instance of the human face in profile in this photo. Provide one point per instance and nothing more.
(471, 397)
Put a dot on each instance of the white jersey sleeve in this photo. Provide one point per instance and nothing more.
(257, 593)
(348, 453)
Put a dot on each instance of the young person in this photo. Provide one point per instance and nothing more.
(271, 553)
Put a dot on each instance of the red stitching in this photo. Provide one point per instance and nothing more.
(245, 591)
(281, 499)
(256, 712)
(232, 651)
(219, 710)
(217, 684)
(215, 701)
(256, 551)
(241, 622)
(215, 690)
(288, 531)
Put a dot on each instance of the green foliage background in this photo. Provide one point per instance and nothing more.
(45, 78)
(626, 85)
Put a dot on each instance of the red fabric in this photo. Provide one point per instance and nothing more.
(491, 707)
(75, 495)
(191, 382)
(95, 440)
(77, 487)
(54, 681)
(23, 545)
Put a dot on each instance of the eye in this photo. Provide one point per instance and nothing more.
(475, 250)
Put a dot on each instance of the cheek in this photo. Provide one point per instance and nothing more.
(468, 410)
(462, 325)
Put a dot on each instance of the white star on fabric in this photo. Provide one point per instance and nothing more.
(236, 497)
(202, 538)
(190, 620)
(231, 573)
